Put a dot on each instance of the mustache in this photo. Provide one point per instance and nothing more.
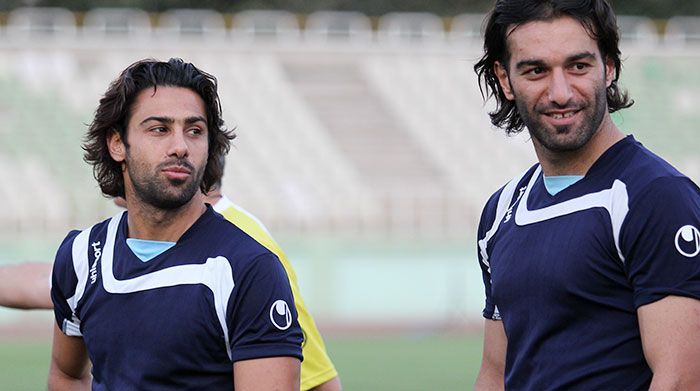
(551, 106)
(180, 162)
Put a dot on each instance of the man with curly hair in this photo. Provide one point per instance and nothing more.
(168, 294)
(590, 257)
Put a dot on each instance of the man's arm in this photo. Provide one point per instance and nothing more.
(272, 373)
(493, 362)
(69, 369)
(670, 328)
(330, 385)
(25, 286)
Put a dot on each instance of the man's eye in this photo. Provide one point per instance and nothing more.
(535, 71)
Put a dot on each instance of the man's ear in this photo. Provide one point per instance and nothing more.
(609, 71)
(503, 79)
(116, 147)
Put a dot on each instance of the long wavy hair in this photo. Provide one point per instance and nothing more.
(112, 116)
(596, 16)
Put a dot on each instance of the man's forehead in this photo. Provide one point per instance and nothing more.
(176, 103)
(549, 38)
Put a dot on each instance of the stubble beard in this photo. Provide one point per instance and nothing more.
(163, 193)
(569, 137)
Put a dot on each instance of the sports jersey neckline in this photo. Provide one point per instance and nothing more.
(203, 219)
(600, 166)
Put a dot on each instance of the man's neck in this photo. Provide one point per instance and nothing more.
(578, 162)
(212, 197)
(151, 223)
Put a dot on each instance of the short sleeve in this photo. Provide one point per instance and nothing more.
(63, 286)
(660, 241)
(487, 217)
(262, 319)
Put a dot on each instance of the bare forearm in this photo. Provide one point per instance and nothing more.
(331, 385)
(70, 366)
(59, 381)
(675, 381)
(25, 286)
(489, 380)
(491, 373)
(669, 329)
(271, 373)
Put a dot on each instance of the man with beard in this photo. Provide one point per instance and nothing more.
(27, 286)
(168, 294)
(590, 257)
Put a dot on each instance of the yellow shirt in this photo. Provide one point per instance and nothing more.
(317, 367)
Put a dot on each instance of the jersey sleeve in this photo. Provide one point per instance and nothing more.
(488, 216)
(661, 241)
(262, 319)
(317, 367)
(63, 285)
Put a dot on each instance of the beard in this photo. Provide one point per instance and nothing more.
(164, 193)
(565, 138)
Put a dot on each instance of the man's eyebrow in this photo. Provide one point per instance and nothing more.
(164, 120)
(581, 56)
(169, 120)
(194, 119)
(529, 63)
(539, 63)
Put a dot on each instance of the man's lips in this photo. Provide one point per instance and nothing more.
(561, 117)
(176, 172)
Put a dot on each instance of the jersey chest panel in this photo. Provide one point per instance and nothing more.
(556, 262)
(141, 328)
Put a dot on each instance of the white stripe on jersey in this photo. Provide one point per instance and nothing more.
(614, 200)
(215, 274)
(79, 251)
(502, 207)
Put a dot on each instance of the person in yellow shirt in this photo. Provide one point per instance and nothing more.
(26, 286)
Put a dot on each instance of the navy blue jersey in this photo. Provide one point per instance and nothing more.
(566, 273)
(181, 319)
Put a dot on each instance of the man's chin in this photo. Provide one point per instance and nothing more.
(170, 203)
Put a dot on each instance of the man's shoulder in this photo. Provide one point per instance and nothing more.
(247, 223)
(646, 171)
(507, 193)
(67, 247)
(236, 244)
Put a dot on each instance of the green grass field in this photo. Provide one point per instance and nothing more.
(365, 363)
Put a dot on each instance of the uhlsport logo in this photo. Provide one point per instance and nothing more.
(688, 241)
(281, 315)
(97, 251)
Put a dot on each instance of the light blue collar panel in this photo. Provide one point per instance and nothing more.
(555, 184)
(148, 249)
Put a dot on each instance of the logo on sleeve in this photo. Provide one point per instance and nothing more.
(97, 251)
(281, 315)
(688, 241)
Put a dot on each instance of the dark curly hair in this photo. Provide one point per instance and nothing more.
(596, 16)
(112, 115)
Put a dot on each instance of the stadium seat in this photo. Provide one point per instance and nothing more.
(466, 28)
(265, 25)
(682, 31)
(116, 23)
(41, 23)
(338, 26)
(637, 31)
(191, 24)
(410, 27)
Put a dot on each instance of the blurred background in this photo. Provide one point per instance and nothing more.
(363, 145)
